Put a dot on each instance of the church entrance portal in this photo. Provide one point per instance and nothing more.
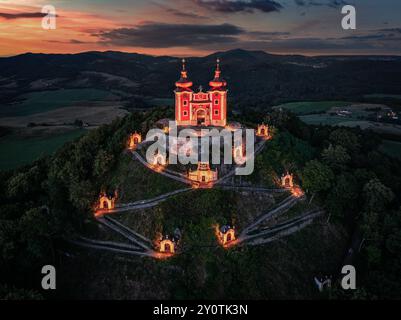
(201, 117)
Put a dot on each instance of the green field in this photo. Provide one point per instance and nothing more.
(325, 119)
(308, 107)
(38, 102)
(16, 151)
(351, 124)
(391, 148)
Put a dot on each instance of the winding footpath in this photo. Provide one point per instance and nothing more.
(141, 204)
(283, 206)
(139, 245)
(91, 244)
(165, 172)
(251, 189)
(125, 232)
(285, 228)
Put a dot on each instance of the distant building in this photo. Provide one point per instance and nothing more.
(201, 108)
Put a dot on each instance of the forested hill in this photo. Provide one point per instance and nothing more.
(341, 169)
(254, 77)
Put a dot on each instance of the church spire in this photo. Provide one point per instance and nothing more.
(217, 72)
(183, 71)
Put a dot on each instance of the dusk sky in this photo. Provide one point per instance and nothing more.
(199, 27)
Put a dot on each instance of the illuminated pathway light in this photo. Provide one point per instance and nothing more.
(297, 192)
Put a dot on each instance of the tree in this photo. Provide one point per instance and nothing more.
(12, 293)
(35, 232)
(343, 195)
(316, 176)
(8, 241)
(377, 195)
(102, 163)
(345, 138)
(336, 157)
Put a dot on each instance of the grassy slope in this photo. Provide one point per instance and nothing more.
(207, 208)
(307, 107)
(38, 102)
(136, 182)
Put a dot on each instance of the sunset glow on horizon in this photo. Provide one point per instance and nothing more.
(199, 27)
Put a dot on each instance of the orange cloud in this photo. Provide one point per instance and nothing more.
(21, 31)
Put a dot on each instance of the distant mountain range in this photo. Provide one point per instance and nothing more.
(254, 77)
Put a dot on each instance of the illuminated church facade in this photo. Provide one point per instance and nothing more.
(201, 108)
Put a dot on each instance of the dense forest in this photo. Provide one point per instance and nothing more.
(341, 169)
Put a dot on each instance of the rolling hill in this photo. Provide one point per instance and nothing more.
(254, 77)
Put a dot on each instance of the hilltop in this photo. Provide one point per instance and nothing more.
(49, 203)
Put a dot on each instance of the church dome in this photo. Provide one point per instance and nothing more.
(218, 81)
(184, 82)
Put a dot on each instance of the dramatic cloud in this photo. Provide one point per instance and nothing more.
(180, 13)
(198, 27)
(72, 41)
(263, 35)
(163, 35)
(317, 3)
(229, 36)
(393, 34)
(229, 6)
(22, 15)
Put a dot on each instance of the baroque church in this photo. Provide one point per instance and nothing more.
(201, 108)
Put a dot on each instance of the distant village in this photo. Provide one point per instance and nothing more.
(376, 113)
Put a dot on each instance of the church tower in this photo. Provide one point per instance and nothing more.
(218, 96)
(183, 94)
